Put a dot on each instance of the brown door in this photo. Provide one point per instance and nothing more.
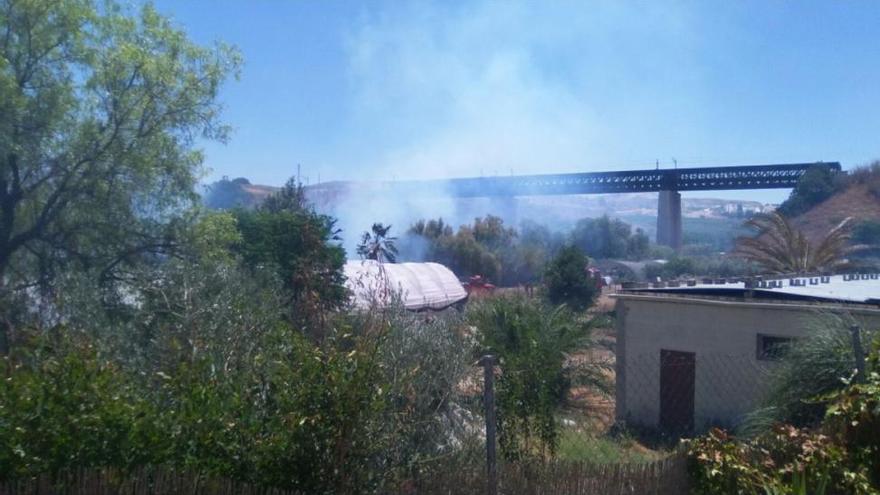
(677, 377)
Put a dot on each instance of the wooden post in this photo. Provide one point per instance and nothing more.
(488, 362)
(858, 353)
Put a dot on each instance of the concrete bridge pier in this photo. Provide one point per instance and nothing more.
(669, 219)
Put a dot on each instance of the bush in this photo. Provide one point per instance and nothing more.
(786, 460)
(205, 374)
(840, 454)
(566, 280)
(61, 406)
(854, 418)
(532, 341)
(812, 368)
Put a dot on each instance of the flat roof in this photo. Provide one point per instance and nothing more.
(848, 288)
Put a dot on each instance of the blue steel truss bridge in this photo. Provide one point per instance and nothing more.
(630, 181)
(667, 182)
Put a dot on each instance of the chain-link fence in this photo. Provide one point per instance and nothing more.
(676, 393)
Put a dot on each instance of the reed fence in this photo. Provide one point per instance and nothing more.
(664, 477)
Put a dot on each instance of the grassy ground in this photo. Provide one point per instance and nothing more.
(577, 445)
(589, 416)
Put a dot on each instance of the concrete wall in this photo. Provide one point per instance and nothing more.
(730, 379)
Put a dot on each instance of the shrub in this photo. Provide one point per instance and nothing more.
(61, 406)
(813, 368)
(839, 455)
(532, 341)
(567, 282)
(854, 418)
(786, 460)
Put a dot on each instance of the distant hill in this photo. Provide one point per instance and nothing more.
(820, 203)
(231, 193)
(856, 201)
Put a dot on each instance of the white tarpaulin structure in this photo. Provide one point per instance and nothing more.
(417, 285)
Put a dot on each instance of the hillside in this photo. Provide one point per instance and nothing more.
(226, 193)
(855, 201)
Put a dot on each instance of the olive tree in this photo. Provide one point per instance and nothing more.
(100, 110)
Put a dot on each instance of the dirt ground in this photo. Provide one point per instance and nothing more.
(595, 407)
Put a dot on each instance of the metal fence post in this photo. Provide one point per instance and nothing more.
(859, 353)
(488, 362)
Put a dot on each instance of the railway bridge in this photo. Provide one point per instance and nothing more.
(669, 183)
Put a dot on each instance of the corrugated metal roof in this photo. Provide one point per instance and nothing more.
(854, 288)
(418, 285)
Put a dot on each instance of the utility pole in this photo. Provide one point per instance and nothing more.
(488, 362)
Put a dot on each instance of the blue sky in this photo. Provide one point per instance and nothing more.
(397, 89)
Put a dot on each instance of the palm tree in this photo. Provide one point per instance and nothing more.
(378, 245)
(778, 247)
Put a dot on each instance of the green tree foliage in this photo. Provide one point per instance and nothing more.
(215, 237)
(435, 240)
(292, 418)
(816, 185)
(226, 194)
(99, 112)
(786, 460)
(206, 375)
(605, 237)
(486, 247)
(299, 246)
(854, 419)
(867, 232)
(838, 451)
(509, 257)
(532, 341)
(817, 365)
(291, 197)
(286, 235)
(567, 282)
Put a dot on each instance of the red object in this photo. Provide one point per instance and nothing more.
(478, 285)
(595, 275)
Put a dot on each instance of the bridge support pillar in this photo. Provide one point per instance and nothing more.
(669, 219)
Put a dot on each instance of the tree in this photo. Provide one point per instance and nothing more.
(639, 245)
(533, 341)
(300, 246)
(816, 185)
(490, 232)
(778, 247)
(602, 237)
(566, 279)
(99, 114)
(226, 194)
(378, 245)
(291, 197)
